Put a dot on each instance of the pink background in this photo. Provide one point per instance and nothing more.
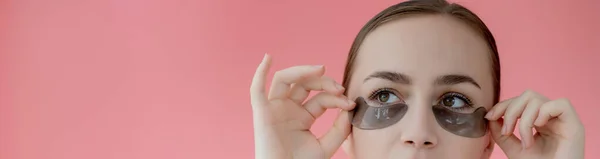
(155, 79)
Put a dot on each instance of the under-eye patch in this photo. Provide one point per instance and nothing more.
(367, 117)
(471, 125)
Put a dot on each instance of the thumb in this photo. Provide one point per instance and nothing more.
(510, 144)
(334, 138)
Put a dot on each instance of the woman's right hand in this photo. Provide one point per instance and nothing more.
(282, 119)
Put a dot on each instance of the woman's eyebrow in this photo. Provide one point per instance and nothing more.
(455, 79)
(391, 76)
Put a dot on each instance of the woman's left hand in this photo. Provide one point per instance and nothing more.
(560, 133)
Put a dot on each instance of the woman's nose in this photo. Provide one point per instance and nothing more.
(420, 131)
(419, 141)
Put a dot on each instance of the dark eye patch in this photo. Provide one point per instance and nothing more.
(472, 125)
(367, 117)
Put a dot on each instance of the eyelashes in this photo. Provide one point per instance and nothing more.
(458, 95)
(385, 96)
(380, 90)
(454, 101)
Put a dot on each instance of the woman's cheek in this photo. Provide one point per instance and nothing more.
(372, 143)
(466, 147)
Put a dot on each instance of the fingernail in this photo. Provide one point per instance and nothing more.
(489, 114)
(265, 57)
(339, 87)
(350, 102)
(504, 129)
(318, 66)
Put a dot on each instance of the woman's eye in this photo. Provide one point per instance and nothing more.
(453, 101)
(387, 97)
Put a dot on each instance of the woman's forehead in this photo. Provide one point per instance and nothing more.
(425, 45)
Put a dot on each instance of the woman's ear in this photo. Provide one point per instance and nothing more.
(487, 152)
(348, 146)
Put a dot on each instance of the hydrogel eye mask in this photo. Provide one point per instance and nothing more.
(366, 117)
(471, 125)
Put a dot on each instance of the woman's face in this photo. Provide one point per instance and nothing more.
(421, 60)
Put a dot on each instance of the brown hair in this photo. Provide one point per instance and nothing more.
(419, 7)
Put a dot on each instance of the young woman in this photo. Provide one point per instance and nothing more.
(422, 80)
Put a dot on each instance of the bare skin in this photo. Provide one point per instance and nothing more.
(424, 49)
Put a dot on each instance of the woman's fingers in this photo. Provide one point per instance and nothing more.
(300, 91)
(555, 109)
(558, 118)
(318, 104)
(524, 107)
(526, 123)
(512, 114)
(282, 80)
(257, 88)
(510, 144)
(498, 110)
(515, 109)
(334, 138)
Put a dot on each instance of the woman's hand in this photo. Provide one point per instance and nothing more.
(282, 121)
(560, 133)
